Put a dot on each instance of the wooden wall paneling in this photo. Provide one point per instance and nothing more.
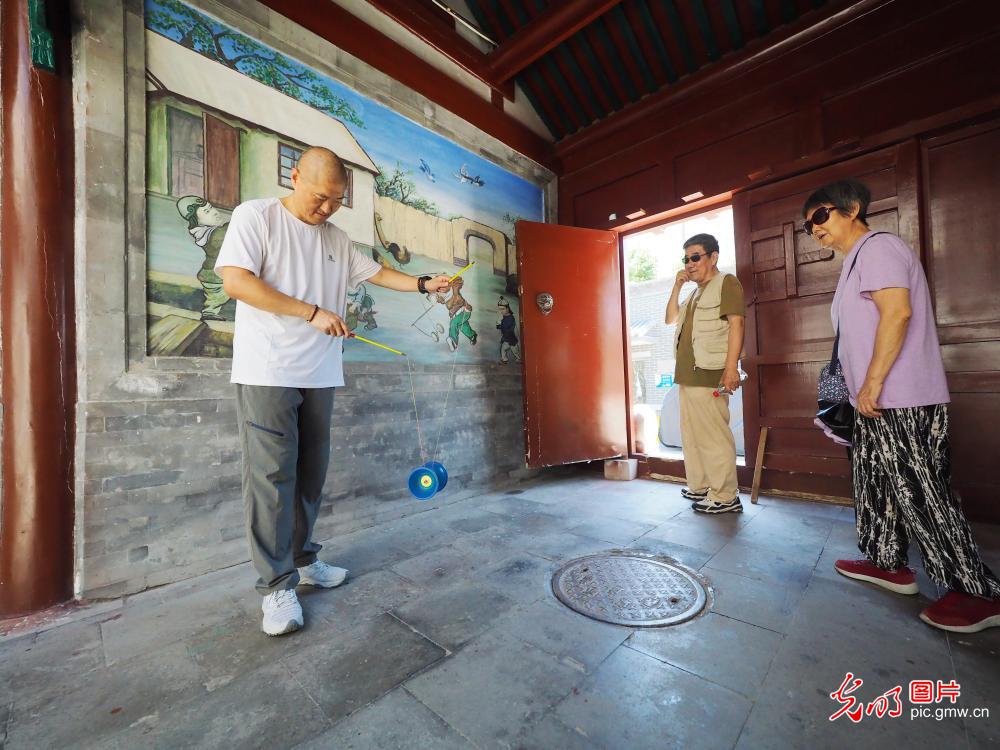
(789, 329)
(961, 224)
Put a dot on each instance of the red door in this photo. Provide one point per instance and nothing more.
(574, 355)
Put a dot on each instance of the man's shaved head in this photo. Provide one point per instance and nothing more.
(318, 164)
(320, 182)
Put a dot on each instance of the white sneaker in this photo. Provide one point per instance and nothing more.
(282, 613)
(322, 575)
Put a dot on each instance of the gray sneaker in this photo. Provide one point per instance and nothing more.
(707, 506)
(282, 613)
(694, 495)
(321, 575)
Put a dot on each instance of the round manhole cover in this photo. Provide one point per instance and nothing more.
(629, 590)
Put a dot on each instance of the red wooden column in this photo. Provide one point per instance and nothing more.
(37, 329)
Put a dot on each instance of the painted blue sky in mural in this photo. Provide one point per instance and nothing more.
(457, 181)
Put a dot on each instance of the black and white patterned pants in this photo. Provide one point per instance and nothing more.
(901, 465)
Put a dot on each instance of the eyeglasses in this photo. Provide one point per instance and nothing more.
(694, 258)
(821, 216)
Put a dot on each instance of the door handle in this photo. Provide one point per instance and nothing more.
(545, 302)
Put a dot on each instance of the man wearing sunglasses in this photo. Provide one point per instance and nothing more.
(708, 344)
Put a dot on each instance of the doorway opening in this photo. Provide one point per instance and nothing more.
(652, 259)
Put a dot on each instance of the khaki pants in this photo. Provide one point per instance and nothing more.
(709, 447)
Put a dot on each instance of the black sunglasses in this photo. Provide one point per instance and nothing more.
(821, 216)
(694, 258)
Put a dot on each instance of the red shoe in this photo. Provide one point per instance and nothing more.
(902, 581)
(963, 613)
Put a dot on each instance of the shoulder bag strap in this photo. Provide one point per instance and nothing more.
(836, 339)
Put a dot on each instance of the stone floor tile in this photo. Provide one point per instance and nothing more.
(144, 629)
(794, 704)
(573, 639)
(635, 701)
(345, 673)
(93, 708)
(728, 652)
(612, 530)
(788, 567)
(360, 598)
(493, 690)
(688, 556)
(524, 577)
(396, 721)
(453, 615)
(766, 605)
(512, 507)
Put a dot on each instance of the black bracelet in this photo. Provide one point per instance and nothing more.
(421, 284)
(315, 310)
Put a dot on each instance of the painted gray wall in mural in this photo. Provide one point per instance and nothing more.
(227, 117)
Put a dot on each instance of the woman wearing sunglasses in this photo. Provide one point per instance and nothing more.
(900, 458)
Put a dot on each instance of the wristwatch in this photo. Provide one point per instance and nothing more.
(421, 282)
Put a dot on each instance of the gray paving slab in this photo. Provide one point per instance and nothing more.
(689, 531)
(613, 530)
(495, 689)
(766, 605)
(147, 627)
(576, 641)
(360, 598)
(454, 615)
(689, 556)
(788, 566)
(442, 566)
(635, 701)
(396, 721)
(94, 708)
(706, 646)
(794, 705)
(524, 577)
(345, 674)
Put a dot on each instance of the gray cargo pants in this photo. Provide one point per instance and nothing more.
(285, 438)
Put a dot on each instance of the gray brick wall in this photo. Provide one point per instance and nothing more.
(157, 453)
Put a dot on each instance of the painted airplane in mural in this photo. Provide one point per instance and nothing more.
(426, 169)
(464, 176)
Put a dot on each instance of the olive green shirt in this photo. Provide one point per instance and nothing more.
(685, 372)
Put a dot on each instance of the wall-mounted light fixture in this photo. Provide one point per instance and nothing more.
(612, 217)
(636, 214)
(692, 197)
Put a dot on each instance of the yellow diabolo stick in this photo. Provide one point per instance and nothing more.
(375, 343)
(461, 272)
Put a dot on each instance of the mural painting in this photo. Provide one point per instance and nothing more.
(228, 117)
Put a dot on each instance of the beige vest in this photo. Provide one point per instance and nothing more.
(710, 334)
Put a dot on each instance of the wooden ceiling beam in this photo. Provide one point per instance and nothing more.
(438, 30)
(559, 22)
(354, 36)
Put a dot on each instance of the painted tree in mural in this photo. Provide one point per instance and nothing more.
(398, 186)
(217, 42)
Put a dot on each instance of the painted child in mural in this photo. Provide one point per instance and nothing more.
(460, 311)
(507, 325)
(207, 226)
(359, 309)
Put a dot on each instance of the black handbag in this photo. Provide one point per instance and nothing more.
(833, 398)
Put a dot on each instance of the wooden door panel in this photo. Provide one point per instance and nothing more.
(222, 163)
(574, 357)
(789, 333)
(961, 195)
(812, 330)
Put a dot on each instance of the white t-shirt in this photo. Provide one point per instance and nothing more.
(316, 264)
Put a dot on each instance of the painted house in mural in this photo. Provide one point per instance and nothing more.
(217, 135)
